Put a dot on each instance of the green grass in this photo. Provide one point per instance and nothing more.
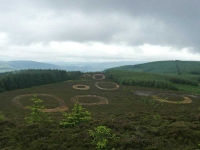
(137, 123)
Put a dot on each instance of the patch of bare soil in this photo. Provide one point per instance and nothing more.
(81, 87)
(102, 100)
(96, 84)
(62, 106)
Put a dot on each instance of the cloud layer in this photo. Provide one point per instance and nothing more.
(105, 30)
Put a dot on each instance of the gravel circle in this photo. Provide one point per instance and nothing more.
(103, 100)
(102, 76)
(85, 87)
(186, 100)
(62, 106)
(117, 86)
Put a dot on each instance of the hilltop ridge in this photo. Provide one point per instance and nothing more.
(165, 67)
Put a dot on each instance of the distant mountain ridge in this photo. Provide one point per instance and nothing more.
(165, 67)
(6, 66)
(19, 65)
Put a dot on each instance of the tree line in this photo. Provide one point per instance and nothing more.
(29, 78)
(150, 79)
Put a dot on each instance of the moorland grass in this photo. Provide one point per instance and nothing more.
(137, 123)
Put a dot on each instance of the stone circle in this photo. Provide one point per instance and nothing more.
(62, 106)
(83, 87)
(186, 100)
(102, 101)
(117, 86)
(102, 76)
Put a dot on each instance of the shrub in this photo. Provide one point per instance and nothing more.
(37, 114)
(101, 135)
(77, 116)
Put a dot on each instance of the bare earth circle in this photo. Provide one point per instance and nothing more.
(81, 87)
(86, 75)
(102, 100)
(62, 104)
(185, 101)
(117, 86)
(102, 76)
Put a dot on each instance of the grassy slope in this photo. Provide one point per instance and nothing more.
(136, 120)
(166, 67)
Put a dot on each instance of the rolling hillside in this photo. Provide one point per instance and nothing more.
(19, 65)
(6, 66)
(165, 67)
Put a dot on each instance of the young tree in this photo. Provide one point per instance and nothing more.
(77, 116)
(37, 114)
(101, 135)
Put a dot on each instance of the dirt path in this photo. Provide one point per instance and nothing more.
(102, 101)
(62, 106)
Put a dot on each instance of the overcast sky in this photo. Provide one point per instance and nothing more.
(99, 30)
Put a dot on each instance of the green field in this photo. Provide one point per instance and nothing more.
(139, 122)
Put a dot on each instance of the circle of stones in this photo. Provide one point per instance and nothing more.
(117, 86)
(102, 100)
(85, 87)
(186, 100)
(62, 106)
(102, 76)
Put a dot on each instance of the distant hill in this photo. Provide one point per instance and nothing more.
(19, 65)
(165, 67)
(68, 66)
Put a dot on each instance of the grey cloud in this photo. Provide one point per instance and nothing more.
(135, 22)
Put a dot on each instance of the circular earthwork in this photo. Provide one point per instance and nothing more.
(81, 87)
(62, 106)
(186, 100)
(97, 85)
(98, 77)
(86, 75)
(102, 100)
